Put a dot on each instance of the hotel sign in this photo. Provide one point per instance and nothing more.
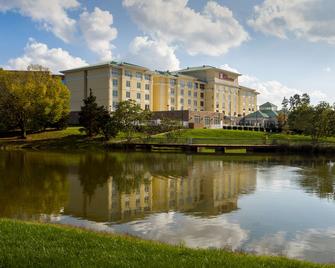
(223, 76)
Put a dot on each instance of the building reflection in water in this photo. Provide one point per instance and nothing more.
(206, 188)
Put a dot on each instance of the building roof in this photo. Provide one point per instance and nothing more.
(249, 89)
(257, 114)
(268, 104)
(177, 75)
(270, 113)
(206, 67)
(107, 63)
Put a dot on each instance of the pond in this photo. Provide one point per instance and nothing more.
(262, 204)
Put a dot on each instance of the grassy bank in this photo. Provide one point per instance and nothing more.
(40, 245)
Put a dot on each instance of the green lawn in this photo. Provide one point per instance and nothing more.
(41, 245)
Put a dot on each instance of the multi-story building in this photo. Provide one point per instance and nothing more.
(211, 95)
(111, 83)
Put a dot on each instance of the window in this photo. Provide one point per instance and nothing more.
(201, 103)
(128, 73)
(139, 76)
(115, 104)
(189, 102)
(147, 86)
(115, 82)
(147, 107)
(202, 86)
(127, 83)
(172, 100)
(172, 82)
(196, 85)
(115, 93)
(197, 119)
(127, 94)
(207, 121)
(189, 84)
(195, 94)
(217, 120)
(139, 85)
(147, 77)
(182, 101)
(182, 83)
(116, 72)
(195, 103)
(138, 96)
(189, 93)
(202, 95)
(172, 91)
(182, 92)
(147, 97)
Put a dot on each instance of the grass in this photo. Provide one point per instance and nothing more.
(43, 245)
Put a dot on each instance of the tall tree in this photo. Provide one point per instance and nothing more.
(89, 115)
(31, 100)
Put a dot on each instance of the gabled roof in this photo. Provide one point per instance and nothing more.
(206, 67)
(270, 113)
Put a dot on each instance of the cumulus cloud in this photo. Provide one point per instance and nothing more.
(55, 59)
(274, 91)
(312, 20)
(213, 31)
(156, 55)
(52, 15)
(98, 32)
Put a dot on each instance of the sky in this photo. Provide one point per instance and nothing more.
(281, 47)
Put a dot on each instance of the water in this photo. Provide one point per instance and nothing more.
(274, 205)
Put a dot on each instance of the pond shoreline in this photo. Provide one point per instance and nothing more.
(40, 244)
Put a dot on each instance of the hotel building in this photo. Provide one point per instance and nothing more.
(202, 96)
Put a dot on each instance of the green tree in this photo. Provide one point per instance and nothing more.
(130, 118)
(89, 115)
(108, 124)
(31, 100)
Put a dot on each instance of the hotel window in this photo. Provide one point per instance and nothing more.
(147, 97)
(172, 82)
(128, 73)
(217, 120)
(195, 103)
(197, 119)
(147, 86)
(182, 83)
(182, 101)
(172, 91)
(127, 83)
(195, 94)
(138, 85)
(115, 104)
(115, 93)
(182, 92)
(147, 77)
(189, 84)
(116, 72)
(138, 96)
(128, 94)
(201, 103)
(115, 82)
(139, 76)
(207, 121)
(189, 102)
(202, 86)
(147, 107)
(202, 95)
(189, 93)
(196, 85)
(172, 100)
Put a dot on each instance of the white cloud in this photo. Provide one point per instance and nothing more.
(153, 54)
(52, 15)
(327, 69)
(56, 59)
(98, 32)
(213, 31)
(312, 20)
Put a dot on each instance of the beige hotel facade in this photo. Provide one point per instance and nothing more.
(194, 89)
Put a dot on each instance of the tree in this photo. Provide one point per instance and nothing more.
(130, 117)
(89, 115)
(31, 100)
(108, 124)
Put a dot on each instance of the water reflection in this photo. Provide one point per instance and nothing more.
(263, 204)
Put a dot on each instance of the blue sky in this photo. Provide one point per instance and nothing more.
(280, 47)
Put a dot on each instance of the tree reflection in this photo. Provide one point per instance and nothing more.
(31, 184)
